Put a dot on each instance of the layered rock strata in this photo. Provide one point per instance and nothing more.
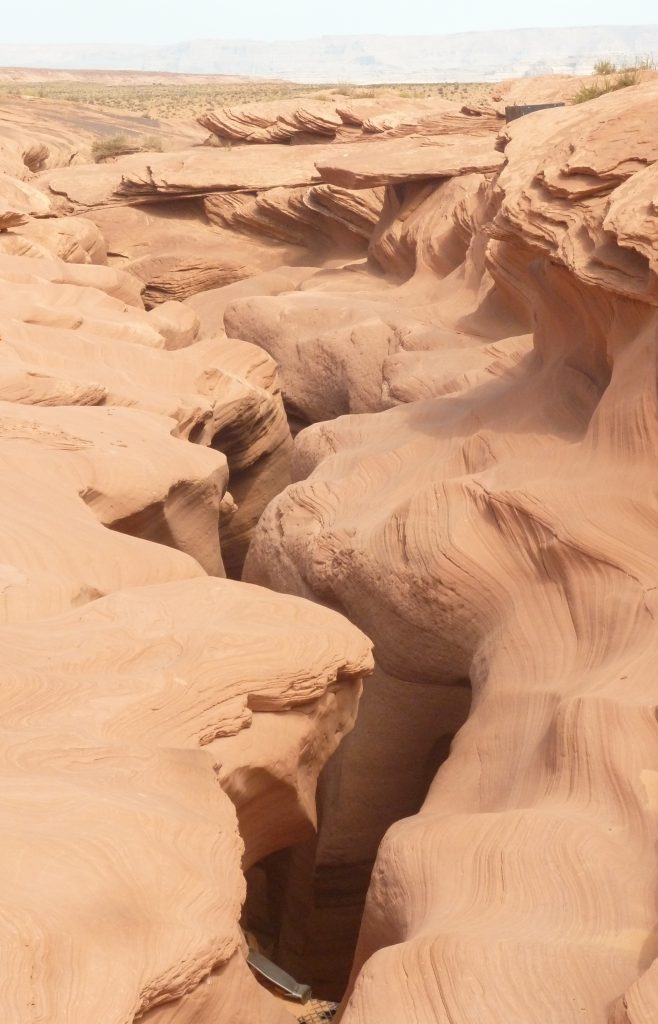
(363, 341)
(124, 764)
(197, 219)
(343, 119)
(501, 536)
(162, 727)
(487, 519)
(69, 339)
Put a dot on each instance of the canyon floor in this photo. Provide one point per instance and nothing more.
(328, 550)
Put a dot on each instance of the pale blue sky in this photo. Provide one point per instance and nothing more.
(171, 21)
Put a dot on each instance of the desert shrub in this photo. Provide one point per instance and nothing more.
(218, 142)
(604, 67)
(109, 146)
(625, 78)
(354, 91)
(638, 63)
(151, 143)
(605, 85)
(591, 92)
(646, 63)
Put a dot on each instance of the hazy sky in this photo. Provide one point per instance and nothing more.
(170, 21)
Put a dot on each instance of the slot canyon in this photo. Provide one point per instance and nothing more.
(329, 560)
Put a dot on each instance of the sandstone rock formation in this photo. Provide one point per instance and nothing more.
(18, 201)
(342, 119)
(184, 173)
(72, 239)
(500, 538)
(133, 798)
(129, 732)
(38, 136)
(180, 250)
(275, 121)
(69, 344)
(393, 342)
(463, 316)
(193, 220)
(319, 218)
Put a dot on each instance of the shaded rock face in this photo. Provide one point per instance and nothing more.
(189, 221)
(65, 343)
(489, 520)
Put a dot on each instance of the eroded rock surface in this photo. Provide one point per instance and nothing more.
(123, 749)
(342, 119)
(134, 793)
(502, 534)
(465, 318)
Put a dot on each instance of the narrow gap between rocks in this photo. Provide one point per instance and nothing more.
(304, 904)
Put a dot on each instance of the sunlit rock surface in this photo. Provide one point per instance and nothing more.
(463, 316)
(502, 534)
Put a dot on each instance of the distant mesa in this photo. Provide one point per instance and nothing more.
(466, 56)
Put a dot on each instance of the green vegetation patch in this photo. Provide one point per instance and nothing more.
(612, 77)
(106, 147)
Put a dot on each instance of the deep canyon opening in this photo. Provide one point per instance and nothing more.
(305, 903)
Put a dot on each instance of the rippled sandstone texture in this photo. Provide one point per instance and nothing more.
(495, 524)
(162, 727)
(115, 813)
(124, 762)
(488, 306)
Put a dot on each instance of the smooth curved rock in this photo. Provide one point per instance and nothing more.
(23, 270)
(46, 133)
(488, 519)
(121, 782)
(178, 251)
(503, 535)
(72, 239)
(23, 197)
(344, 340)
(133, 792)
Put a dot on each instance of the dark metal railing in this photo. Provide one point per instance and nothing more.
(511, 113)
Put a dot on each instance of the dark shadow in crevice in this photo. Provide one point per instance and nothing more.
(305, 904)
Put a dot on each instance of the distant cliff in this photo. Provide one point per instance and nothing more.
(467, 56)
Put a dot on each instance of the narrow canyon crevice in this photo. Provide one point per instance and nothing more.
(328, 560)
(305, 904)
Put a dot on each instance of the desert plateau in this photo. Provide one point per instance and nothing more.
(328, 548)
